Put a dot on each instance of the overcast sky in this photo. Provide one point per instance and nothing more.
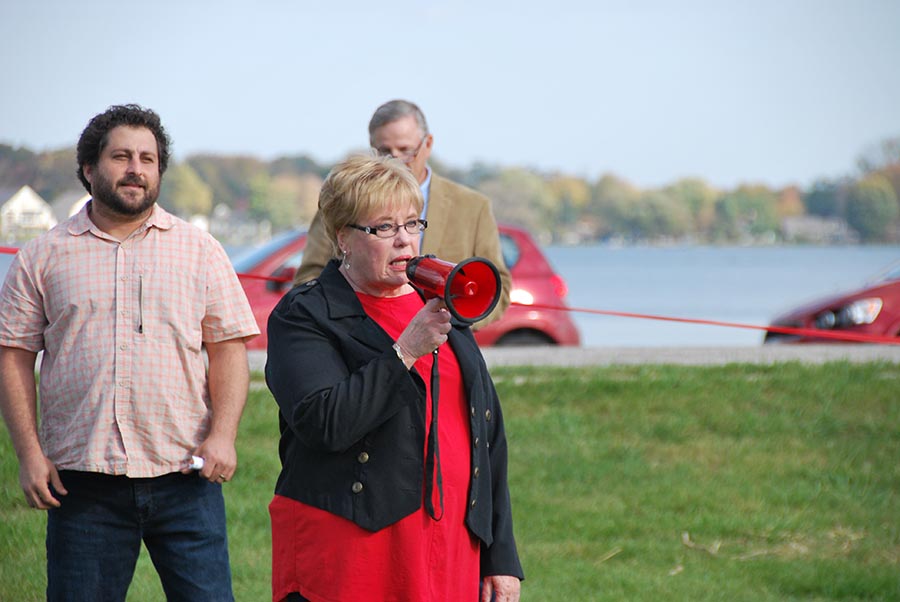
(770, 91)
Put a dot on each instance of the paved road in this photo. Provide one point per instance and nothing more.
(696, 356)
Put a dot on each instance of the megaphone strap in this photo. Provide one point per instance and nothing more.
(433, 455)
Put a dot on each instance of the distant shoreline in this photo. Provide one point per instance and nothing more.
(688, 356)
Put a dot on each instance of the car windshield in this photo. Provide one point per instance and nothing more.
(510, 251)
(246, 261)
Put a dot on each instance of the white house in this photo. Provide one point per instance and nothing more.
(69, 203)
(24, 216)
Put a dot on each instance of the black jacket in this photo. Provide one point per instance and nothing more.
(352, 419)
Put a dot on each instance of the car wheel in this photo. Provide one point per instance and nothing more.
(524, 338)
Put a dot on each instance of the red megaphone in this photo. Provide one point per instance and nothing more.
(470, 289)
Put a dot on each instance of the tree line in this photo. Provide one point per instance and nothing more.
(557, 207)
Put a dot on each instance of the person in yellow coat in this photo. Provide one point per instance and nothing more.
(461, 223)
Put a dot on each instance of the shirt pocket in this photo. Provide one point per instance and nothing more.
(171, 302)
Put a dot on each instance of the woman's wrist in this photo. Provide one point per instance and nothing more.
(403, 356)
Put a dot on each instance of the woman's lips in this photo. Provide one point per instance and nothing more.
(400, 263)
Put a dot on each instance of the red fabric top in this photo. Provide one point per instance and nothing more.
(329, 559)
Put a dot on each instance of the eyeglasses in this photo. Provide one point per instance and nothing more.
(413, 226)
(406, 156)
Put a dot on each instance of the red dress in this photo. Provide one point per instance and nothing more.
(327, 558)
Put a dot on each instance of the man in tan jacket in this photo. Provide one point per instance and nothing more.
(460, 221)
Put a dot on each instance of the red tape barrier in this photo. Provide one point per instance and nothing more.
(842, 335)
(269, 278)
(807, 332)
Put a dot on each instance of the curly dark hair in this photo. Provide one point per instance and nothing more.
(95, 136)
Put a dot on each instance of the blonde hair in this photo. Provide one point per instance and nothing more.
(362, 185)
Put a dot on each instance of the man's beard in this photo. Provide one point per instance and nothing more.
(104, 193)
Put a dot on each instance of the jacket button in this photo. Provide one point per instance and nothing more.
(473, 503)
(473, 411)
(363, 457)
(477, 441)
(475, 472)
(487, 415)
(357, 487)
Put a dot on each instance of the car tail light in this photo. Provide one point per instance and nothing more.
(521, 297)
(559, 286)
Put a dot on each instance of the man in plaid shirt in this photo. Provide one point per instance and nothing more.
(123, 299)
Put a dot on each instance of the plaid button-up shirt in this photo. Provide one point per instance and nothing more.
(123, 386)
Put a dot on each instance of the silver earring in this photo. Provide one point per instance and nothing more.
(346, 261)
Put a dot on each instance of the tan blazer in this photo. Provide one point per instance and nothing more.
(460, 225)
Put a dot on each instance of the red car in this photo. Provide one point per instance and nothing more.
(266, 272)
(873, 310)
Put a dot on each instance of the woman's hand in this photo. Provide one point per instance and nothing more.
(503, 588)
(426, 331)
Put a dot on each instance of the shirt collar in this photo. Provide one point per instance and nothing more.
(426, 187)
(81, 221)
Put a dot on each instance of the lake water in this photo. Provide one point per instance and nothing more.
(744, 285)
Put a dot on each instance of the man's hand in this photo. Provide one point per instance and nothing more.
(229, 378)
(219, 459)
(35, 476)
(18, 404)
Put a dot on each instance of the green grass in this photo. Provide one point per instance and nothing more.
(740, 482)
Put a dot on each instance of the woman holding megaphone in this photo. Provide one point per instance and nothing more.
(394, 458)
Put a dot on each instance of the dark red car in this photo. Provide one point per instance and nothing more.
(266, 271)
(872, 310)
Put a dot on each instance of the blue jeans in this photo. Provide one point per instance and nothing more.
(94, 537)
